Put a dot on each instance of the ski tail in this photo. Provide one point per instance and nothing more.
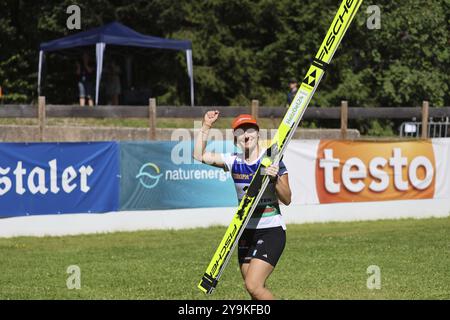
(339, 26)
(223, 253)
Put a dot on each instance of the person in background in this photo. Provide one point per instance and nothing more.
(85, 73)
(293, 87)
(113, 86)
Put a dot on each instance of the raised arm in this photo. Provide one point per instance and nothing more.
(211, 158)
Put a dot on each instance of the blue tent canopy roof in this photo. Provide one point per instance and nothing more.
(117, 34)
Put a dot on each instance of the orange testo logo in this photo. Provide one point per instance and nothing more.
(374, 171)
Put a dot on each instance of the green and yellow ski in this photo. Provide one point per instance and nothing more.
(335, 33)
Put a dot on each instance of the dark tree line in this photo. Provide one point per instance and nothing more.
(242, 50)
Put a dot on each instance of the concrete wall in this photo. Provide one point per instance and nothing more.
(72, 224)
(15, 133)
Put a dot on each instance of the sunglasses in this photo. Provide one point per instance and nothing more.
(239, 132)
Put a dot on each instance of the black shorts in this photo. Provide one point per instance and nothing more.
(265, 244)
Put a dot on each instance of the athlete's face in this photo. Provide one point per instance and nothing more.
(247, 136)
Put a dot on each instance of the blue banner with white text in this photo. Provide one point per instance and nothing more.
(54, 178)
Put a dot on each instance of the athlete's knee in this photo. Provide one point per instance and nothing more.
(254, 287)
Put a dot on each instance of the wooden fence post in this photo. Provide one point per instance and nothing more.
(344, 119)
(152, 118)
(41, 116)
(425, 106)
(255, 109)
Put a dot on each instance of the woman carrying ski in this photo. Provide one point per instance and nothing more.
(262, 242)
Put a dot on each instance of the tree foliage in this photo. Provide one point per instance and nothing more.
(243, 50)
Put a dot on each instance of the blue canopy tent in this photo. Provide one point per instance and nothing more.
(115, 33)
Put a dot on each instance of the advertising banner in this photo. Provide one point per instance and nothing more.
(54, 178)
(57, 178)
(163, 175)
(332, 171)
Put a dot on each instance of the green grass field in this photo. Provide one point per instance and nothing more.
(321, 261)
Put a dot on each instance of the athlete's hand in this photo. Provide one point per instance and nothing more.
(272, 171)
(210, 117)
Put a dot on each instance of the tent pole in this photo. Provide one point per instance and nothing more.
(99, 50)
(191, 73)
(41, 58)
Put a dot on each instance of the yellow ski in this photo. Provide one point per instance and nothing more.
(339, 26)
